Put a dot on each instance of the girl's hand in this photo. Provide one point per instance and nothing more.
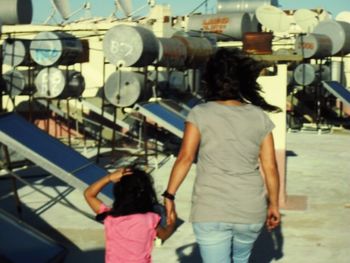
(118, 174)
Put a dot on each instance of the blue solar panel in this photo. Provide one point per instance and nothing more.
(21, 243)
(338, 90)
(45, 147)
(166, 114)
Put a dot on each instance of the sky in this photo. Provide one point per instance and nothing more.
(104, 8)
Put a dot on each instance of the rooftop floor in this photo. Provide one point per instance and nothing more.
(315, 224)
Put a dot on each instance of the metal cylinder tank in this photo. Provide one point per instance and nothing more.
(18, 82)
(178, 81)
(229, 6)
(338, 72)
(172, 53)
(306, 74)
(159, 78)
(313, 46)
(13, 12)
(127, 46)
(254, 24)
(230, 26)
(125, 88)
(338, 32)
(55, 48)
(53, 82)
(198, 50)
(16, 52)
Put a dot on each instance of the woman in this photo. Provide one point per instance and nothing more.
(230, 132)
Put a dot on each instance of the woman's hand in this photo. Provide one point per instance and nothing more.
(273, 217)
(170, 211)
(118, 174)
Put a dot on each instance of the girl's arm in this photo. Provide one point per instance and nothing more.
(269, 166)
(92, 191)
(182, 164)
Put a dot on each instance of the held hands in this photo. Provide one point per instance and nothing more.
(171, 219)
(170, 211)
(273, 217)
(118, 174)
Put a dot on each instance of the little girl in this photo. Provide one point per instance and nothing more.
(132, 224)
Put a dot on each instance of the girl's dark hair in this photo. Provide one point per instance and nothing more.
(230, 74)
(133, 194)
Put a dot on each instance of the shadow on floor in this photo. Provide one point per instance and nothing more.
(189, 253)
(90, 256)
(268, 246)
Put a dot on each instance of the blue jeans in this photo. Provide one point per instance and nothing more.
(219, 242)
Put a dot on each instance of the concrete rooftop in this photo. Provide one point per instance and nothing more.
(315, 224)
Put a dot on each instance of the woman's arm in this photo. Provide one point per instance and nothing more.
(92, 191)
(183, 163)
(269, 167)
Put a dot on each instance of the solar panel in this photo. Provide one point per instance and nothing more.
(20, 242)
(165, 117)
(51, 154)
(338, 90)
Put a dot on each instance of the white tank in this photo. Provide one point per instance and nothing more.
(307, 74)
(19, 82)
(130, 46)
(338, 72)
(55, 48)
(125, 88)
(229, 6)
(52, 82)
(13, 12)
(314, 46)
(338, 32)
(227, 26)
(16, 52)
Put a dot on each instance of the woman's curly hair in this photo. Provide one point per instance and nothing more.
(230, 74)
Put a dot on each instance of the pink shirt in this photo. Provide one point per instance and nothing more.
(129, 239)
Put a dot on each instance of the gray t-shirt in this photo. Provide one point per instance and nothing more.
(228, 185)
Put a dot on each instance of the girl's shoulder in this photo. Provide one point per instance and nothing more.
(138, 216)
(150, 219)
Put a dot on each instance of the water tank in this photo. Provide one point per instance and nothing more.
(338, 72)
(125, 88)
(338, 32)
(172, 53)
(249, 6)
(229, 26)
(127, 46)
(52, 82)
(160, 79)
(13, 12)
(16, 52)
(19, 82)
(306, 74)
(314, 46)
(56, 48)
(198, 50)
(178, 80)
